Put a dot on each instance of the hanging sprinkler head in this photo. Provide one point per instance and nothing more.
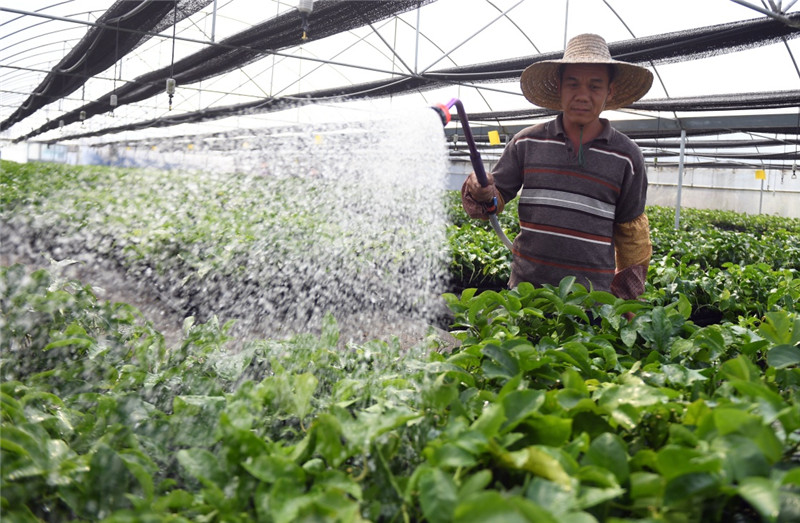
(170, 90)
(113, 103)
(82, 116)
(305, 7)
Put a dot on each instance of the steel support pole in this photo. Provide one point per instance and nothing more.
(761, 193)
(416, 45)
(680, 180)
(214, 21)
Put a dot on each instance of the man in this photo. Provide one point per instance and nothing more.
(584, 184)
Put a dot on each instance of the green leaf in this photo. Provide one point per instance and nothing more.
(492, 507)
(681, 376)
(740, 368)
(534, 460)
(142, 469)
(783, 356)
(625, 402)
(598, 476)
(78, 342)
(792, 477)
(341, 482)
(579, 355)
(304, 387)
(474, 483)
(452, 455)
(729, 419)
(628, 335)
(551, 496)
(572, 379)
(763, 495)
(491, 419)
(553, 431)
(736, 421)
(609, 451)
(20, 515)
(674, 462)
(646, 486)
(327, 436)
(660, 329)
(680, 490)
(202, 465)
(593, 496)
(577, 517)
(520, 404)
(780, 328)
(681, 348)
(569, 399)
(683, 305)
(270, 468)
(194, 419)
(743, 456)
(565, 286)
(575, 310)
(438, 495)
(501, 362)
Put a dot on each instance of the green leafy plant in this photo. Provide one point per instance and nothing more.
(554, 405)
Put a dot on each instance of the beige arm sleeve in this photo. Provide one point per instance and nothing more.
(632, 243)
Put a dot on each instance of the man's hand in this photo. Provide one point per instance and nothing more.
(477, 200)
(478, 193)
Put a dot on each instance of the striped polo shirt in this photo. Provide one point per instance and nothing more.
(567, 211)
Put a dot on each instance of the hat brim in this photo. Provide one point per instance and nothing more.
(539, 82)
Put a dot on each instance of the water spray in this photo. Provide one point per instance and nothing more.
(475, 157)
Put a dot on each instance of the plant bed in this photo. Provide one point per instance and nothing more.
(551, 406)
(236, 246)
(540, 414)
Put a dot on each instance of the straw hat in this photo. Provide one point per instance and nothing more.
(540, 80)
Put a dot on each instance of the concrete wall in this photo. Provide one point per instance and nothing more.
(735, 190)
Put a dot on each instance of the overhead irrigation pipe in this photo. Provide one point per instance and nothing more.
(475, 158)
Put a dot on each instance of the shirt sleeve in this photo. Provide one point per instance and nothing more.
(508, 172)
(633, 192)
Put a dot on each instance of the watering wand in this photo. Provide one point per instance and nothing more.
(475, 157)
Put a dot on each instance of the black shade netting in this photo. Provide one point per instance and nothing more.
(665, 48)
(121, 29)
(328, 18)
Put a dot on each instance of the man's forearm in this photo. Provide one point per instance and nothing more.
(632, 243)
(633, 251)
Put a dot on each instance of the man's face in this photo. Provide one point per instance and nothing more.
(584, 91)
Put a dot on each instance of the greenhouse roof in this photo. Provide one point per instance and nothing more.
(91, 71)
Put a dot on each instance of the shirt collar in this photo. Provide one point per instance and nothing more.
(557, 129)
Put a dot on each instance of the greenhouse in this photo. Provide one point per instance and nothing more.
(240, 281)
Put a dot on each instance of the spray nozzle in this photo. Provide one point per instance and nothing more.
(443, 112)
